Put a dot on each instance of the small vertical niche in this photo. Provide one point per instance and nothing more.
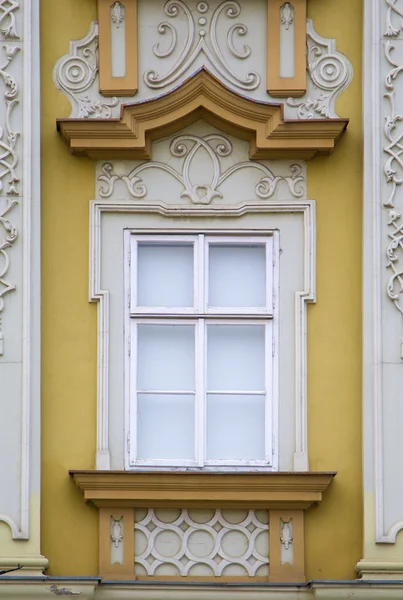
(118, 39)
(287, 41)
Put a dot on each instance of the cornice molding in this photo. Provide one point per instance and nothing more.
(286, 491)
(201, 97)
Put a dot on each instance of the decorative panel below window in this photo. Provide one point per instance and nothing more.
(201, 543)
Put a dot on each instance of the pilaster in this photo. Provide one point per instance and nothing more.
(382, 291)
(20, 287)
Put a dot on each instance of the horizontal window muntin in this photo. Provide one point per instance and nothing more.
(201, 421)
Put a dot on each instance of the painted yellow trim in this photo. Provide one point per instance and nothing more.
(116, 571)
(284, 572)
(118, 86)
(283, 87)
(286, 491)
(201, 97)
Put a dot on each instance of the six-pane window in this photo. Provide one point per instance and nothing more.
(202, 350)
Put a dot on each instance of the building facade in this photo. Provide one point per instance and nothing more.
(201, 299)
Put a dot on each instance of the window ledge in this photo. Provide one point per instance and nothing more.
(285, 491)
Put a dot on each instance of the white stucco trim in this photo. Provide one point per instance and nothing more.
(377, 394)
(29, 327)
(303, 297)
(372, 255)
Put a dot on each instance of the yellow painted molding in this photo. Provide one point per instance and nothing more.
(118, 86)
(380, 569)
(201, 97)
(285, 491)
(283, 87)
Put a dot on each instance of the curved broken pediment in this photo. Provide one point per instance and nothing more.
(201, 97)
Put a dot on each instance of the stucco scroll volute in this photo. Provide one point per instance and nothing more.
(139, 50)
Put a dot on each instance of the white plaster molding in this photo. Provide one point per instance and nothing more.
(202, 39)
(216, 146)
(287, 15)
(302, 299)
(286, 538)
(9, 159)
(117, 14)
(8, 26)
(184, 526)
(382, 174)
(329, 71)
(116, 535)
(76, 72)
(22, 145)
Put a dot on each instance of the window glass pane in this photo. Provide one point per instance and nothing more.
(165, 275)
(235, 427)
(237, 276)
(166, 357)
(165, 427)
(236, 358)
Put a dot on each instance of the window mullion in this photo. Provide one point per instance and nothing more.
(200, 393)
(200, 436)
(133, 393)
(268, 399)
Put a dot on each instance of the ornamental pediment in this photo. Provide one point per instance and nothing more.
(203, 96)
(263, 50)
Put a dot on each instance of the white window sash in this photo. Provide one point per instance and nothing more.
(200, 316)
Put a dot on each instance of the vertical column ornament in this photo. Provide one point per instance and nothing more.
(286, 53)
(118, 52)
(20, 287)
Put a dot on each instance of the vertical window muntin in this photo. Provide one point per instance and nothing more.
(201, 316)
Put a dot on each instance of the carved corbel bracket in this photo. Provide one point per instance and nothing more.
(201, 97)
(286, 497)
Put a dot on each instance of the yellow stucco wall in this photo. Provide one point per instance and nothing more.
(69, 528)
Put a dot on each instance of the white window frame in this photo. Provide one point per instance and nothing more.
(200, 315)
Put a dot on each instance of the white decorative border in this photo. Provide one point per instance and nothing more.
(30, 289)
(304, 297)
(378, 90)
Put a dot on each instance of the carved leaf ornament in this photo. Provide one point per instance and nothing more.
(187, 147)
(287, 15)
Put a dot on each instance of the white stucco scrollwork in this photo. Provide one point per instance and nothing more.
(394, 254)
(330, 72)
(7, 19)
(227, 38)
(202, 37)
(393, 171)
(187, 147)
(8, 163)
(75, 73)
(393, 9)
(213, 540)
